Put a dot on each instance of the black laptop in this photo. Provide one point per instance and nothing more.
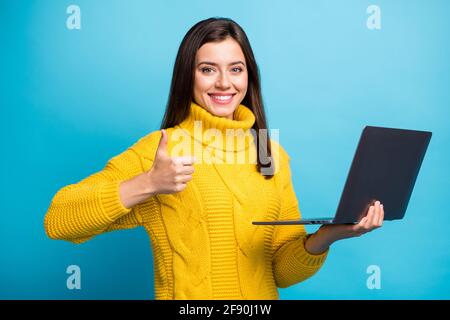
(385, 168)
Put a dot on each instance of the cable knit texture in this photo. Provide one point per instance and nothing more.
(204, 243)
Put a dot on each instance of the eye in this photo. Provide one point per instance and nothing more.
(237, 68)
(204, 69)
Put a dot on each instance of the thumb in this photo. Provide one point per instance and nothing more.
(162, 146)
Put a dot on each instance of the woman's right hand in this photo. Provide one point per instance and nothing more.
(169, 174)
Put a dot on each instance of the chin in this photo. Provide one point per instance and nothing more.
(221, 111)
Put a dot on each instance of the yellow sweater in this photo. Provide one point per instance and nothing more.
(204, 243)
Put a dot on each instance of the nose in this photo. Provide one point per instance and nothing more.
(223, 81)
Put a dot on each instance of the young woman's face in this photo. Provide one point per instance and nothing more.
(221, 77)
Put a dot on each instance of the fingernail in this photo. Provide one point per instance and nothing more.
(381, 206)
(377, 202)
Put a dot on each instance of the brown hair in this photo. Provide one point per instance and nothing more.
(182, 86)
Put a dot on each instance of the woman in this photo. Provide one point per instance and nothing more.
(203, 241)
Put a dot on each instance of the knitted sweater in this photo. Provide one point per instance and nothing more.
(204, 243)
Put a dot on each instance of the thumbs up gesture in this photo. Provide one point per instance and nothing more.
(169, 174)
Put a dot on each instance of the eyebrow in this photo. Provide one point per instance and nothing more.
(215, 64)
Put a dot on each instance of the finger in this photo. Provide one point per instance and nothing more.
(358, 230)
(381, 218)
(369, 217)
(186, 170)
(162, 146)
(362, 222)
(376, 215)
(186, 160)
(184, 178)
(360, 225)
(180, 187)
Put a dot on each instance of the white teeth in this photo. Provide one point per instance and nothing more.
(221, 97)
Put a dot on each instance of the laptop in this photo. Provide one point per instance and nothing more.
(385, 168)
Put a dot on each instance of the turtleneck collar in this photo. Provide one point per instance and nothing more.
(243, 118)
(214, 132)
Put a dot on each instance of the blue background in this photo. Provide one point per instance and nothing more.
(72, 99)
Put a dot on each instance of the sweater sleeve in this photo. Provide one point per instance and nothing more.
(292, 263)
(92, 206)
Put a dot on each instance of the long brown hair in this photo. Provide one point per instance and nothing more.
(182, 86)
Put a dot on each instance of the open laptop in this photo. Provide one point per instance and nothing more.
(384, 167)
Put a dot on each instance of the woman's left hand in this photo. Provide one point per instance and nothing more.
(328, 234)
(373, 220)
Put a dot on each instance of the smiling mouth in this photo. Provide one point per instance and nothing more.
(221, 98)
